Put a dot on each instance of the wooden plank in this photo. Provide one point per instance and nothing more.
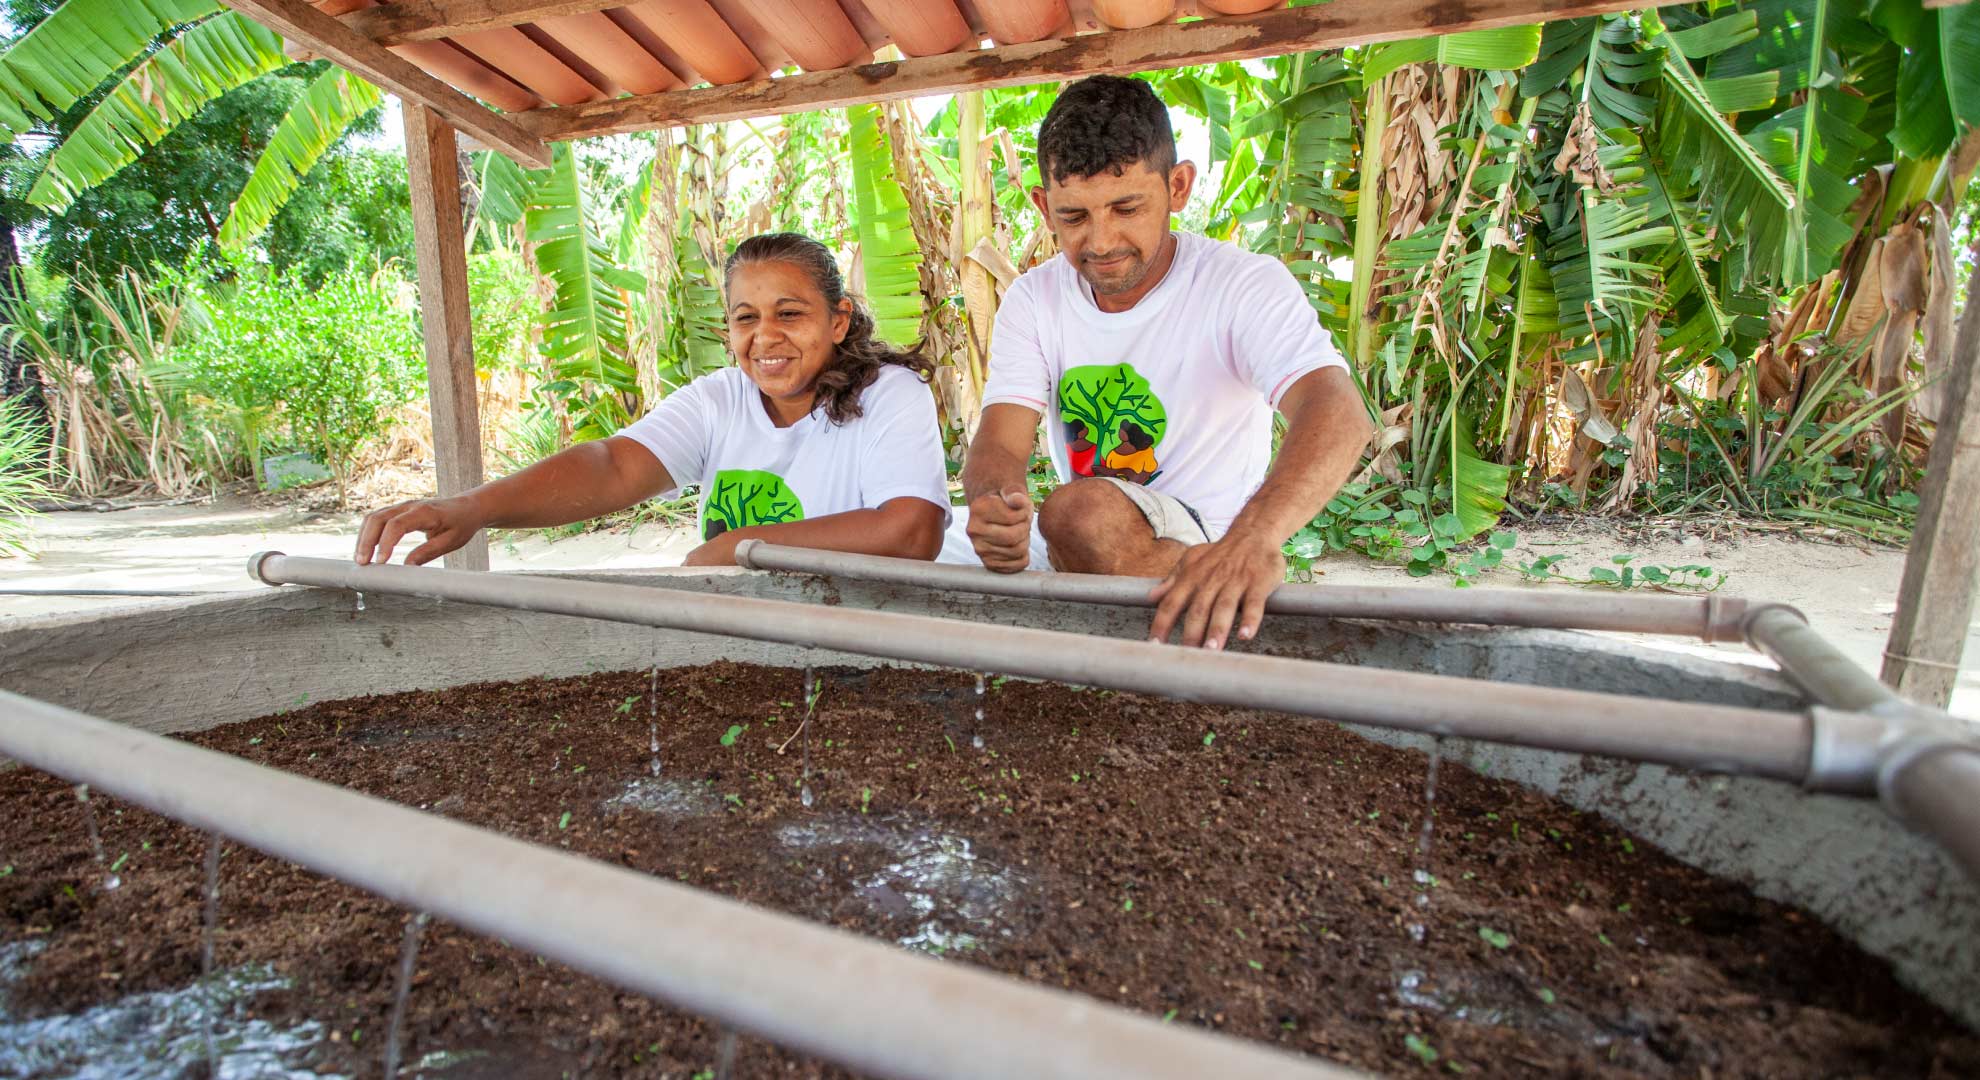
(1942, 566)
(401, 21)
(440, 247)
(324, 36)
(1272, 33)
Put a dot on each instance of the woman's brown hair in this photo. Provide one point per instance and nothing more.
(860, 356)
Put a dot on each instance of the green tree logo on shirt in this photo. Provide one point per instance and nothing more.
(740, 498)
(1113, 421)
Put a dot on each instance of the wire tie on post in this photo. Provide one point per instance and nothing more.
(1921, 661)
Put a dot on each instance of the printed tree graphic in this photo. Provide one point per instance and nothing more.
(740, 498)
(1103, 396)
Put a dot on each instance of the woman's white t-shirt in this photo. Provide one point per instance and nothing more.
(1176, 392)
(715, 433)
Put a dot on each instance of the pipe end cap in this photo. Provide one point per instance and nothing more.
(254, 565)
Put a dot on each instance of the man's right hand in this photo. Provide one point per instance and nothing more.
(1000, 530)
(447, 523)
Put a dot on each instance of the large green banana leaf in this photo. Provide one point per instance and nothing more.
(81, 44)
(170, 85)
(1504, 48)
(318, 118)
(890, 257)
(585, 331)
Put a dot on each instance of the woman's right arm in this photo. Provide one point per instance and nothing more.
(578, 484)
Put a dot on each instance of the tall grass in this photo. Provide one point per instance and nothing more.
(121, 412)
(23, 472)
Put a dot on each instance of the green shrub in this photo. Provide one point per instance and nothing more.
(498, 295)
(317, 369)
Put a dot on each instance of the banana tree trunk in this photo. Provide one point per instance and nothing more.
(1368, 228)
(976, 225)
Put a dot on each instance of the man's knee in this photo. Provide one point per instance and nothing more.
(1075, 512)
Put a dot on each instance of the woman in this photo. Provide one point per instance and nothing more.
(820, 436)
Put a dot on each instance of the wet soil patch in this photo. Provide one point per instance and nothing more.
(1240, 871)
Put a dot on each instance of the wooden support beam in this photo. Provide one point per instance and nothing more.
(1942, 567)
(440, 247)
(1272, 33)
(402, 21)
(300, 24)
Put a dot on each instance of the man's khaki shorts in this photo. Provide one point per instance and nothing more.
(1170, 517)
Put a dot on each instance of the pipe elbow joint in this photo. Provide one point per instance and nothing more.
(1921, 733)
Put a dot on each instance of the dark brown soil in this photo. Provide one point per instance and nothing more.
(1258, 882)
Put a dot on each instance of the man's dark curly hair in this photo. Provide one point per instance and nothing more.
(1105, 124)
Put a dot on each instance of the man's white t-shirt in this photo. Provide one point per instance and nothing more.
(1176, 392)
(715, 433)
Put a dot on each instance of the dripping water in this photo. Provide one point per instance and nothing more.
(408, 960)
(804, 732)
(110, 879)
(209, 923)
(653, 721)
(976, 733)
(360, 602)
(1422, 875)
(725, 1058)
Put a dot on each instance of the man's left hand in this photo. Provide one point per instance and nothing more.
(1217, 586)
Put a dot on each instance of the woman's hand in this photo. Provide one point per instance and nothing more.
(447, 524)
(720, 551)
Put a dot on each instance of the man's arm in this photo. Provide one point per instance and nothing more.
(909, 527)
(994, 484)
(1226, 582)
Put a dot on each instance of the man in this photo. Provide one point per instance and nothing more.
(1169, 351)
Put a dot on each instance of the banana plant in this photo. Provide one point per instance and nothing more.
(889, 256)
(171, 85)
(585, 330)
(79, 47)
(318, 119)
(187, 53)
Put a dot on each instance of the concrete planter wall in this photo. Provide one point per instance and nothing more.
(195, 664)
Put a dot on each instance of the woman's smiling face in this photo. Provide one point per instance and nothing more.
(783, 334)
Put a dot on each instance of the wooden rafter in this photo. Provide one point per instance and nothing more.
(425, 20)
(1272, 33)
(303, 25)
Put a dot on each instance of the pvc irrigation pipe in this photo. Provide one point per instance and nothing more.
(1937, 790)
(1708, 617)
(114, 592)
(1715, 738)
(1927, 762)
(1810, 662)
(863, 1004)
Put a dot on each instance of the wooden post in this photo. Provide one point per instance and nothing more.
(441, 252)
(1942, 569)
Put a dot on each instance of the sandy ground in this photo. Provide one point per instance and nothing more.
(1848, 592)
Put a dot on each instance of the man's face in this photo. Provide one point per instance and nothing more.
(1111, 226)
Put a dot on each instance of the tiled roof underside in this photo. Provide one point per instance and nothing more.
(657, 45)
